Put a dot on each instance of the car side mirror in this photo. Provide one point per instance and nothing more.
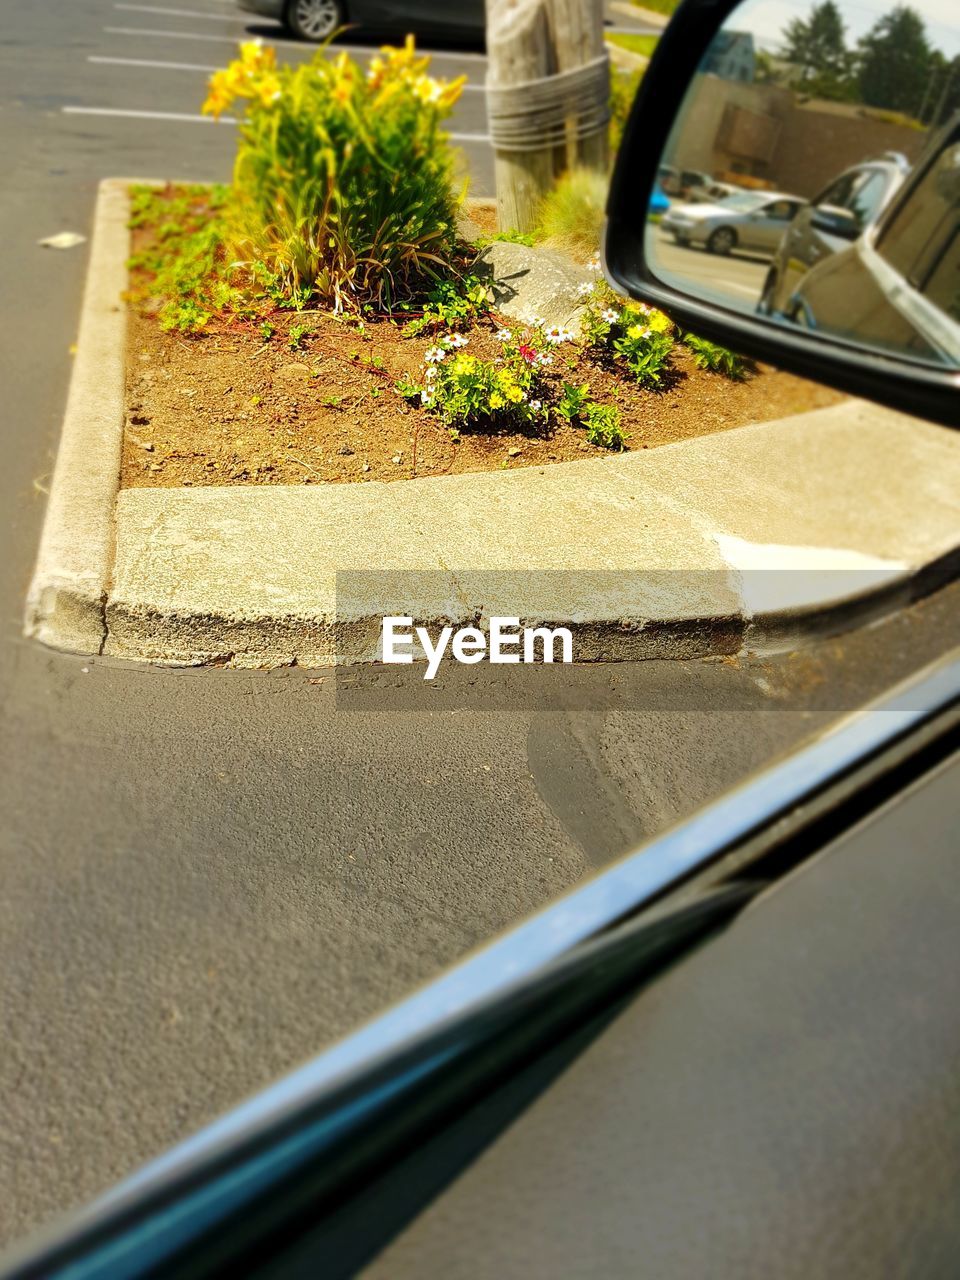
(881, 313)
(835, 221)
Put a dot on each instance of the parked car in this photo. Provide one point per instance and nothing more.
(898, 287)
(841, 212)
(317, 20)
(682, 182)
(713, 192)
(752, 220)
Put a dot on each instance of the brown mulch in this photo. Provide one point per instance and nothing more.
(226, 407)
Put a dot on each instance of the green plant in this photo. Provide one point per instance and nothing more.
(572, 214)
(453, 303)
(296, 336)
(573, 401)
(467, 391)
(267, 331)
(708, 355)
(638, 336)
(623, 90)
(343, 182)
(603, 425)
(511, 236)
(189, 274)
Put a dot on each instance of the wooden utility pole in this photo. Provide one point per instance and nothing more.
(548, 85)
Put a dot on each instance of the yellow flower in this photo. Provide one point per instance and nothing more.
(497, 401)
(514, 394)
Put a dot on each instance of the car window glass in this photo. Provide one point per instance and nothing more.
(919, 222)
(780, 209)
(839, 192)
(867, 198)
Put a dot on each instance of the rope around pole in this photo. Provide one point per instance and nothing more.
(545, 112)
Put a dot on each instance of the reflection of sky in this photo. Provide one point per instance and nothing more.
(767, 19)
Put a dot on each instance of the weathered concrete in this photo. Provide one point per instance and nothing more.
(535, 282)
(66, 596)
(760, 532)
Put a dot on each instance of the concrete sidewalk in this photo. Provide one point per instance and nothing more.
(757, 537)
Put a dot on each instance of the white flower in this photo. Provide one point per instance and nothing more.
(536, 405)
(593, 264)
(430, 373)
(435, 355)
(584, 289)
(503, 335)
(424, 397)
(556, 335)
(456, 340)
(544, 359)
(610, 316)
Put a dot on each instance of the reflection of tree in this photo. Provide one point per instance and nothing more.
(893, 67)
(895, 62)
(817, 48)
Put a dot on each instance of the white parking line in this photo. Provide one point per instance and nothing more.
(146, 115)
(194, 118)
(182, 13)
(197, 66)
(149, 33)
(148, 62)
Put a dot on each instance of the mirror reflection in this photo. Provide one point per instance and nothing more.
(813, 173)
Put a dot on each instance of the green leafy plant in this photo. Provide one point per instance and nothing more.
(466, 391)
(637, 336)
(573, 401)
(603, 424)
(453, 303)
(343, 182)
(296, 335)
(267, 331)
(189, 274)
(708, 355)
(510, 236)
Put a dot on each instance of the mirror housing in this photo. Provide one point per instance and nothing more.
(892, 378)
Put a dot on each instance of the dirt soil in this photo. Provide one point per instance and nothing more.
(226, 407)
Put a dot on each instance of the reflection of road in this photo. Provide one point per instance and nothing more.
(735, 279)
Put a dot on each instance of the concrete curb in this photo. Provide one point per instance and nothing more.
(700, 548)
(626, 59)
(66, 598)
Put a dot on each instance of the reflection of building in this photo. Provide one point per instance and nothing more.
(766, 135)
(731, 56)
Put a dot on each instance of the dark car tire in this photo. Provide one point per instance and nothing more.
(723, 240)
(315, 20)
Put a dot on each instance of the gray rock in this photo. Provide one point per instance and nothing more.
(531, 282)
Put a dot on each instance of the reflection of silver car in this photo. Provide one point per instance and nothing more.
(752, 220)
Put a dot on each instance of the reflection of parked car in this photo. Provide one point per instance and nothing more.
(850, 204)
(682, 182)
(752, 220)
(713, 192)
(898, 286)
(318, 19)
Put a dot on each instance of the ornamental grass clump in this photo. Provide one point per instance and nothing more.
(343, 183)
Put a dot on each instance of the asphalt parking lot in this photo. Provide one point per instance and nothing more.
(141, 73)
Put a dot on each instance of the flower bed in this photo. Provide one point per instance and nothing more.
(320, 319)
